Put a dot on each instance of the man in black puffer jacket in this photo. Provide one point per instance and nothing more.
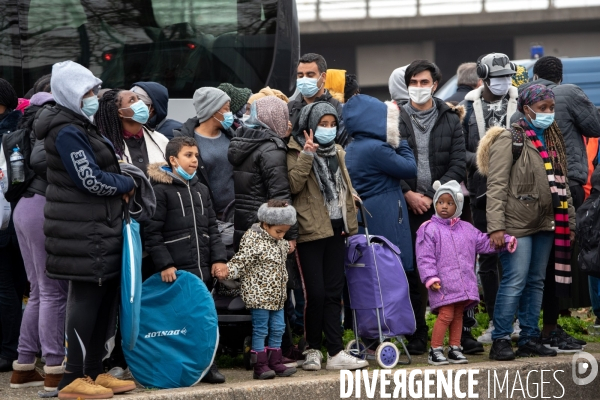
(434, 133)
(258, 155)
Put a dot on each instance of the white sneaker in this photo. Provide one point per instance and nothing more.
(486, 336)
(516, 331)
(312, 360)
(343, 360)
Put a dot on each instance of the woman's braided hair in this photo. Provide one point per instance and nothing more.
(555, 144)
(108, 121)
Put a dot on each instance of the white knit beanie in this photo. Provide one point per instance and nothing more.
(453, 189)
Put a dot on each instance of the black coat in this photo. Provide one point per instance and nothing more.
(188, 130)
(461, 92)
(183, 231)
(84, 239)
(9, 124)
(37, 159)
(446, 147)
(260, 173)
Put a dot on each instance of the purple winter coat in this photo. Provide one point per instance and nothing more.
(446, 250)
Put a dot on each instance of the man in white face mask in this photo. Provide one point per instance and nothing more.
(490, 105)
(434, 134)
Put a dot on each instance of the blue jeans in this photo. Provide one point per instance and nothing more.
(594, 286)
(267, 323)
(522, 287)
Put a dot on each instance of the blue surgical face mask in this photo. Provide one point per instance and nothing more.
(227, 119)
(181, 172)
(542, 120)
(141, 113)
(90, 105)
(307, 86)
(325, 135)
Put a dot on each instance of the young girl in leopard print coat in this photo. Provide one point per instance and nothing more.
(260, 265)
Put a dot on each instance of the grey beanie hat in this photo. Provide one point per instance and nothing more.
(277, 215)
(207, 101)
(453, 189)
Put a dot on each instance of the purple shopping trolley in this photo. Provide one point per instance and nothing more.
(379, 296)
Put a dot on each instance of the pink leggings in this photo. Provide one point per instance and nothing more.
(450, 316)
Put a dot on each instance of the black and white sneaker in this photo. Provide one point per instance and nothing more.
(533, 348)
(436, 356)
(556, 342)
(455, 355)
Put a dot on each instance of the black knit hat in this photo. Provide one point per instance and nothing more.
(239, 96)
(8, 96)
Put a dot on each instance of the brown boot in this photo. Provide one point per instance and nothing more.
(85, 388)
(116, 385)
(53, 377)
(25, 375)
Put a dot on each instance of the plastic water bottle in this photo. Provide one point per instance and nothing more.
(594, 330)
(17, 171)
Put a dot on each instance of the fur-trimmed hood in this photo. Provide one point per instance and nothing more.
(365, 115)
(483, 151)
(160, 172)
(459, 110)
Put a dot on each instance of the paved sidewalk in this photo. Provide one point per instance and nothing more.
(326, 384)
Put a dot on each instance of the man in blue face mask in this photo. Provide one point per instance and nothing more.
(311, 77)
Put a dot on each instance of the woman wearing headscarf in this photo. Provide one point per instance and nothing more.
(258, 155)
(83, 226)
(527, 197)
(322, 194)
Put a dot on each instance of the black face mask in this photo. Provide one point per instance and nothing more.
(151, 122)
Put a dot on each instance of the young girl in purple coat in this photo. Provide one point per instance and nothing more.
(446, 249)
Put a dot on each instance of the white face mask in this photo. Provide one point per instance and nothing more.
(420, 95)
(499, 86)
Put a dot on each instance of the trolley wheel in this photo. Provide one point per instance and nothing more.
(387, 355)
(357, 351)
(247, 348)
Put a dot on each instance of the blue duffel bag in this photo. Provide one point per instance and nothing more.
(131, 281)
(178, 334)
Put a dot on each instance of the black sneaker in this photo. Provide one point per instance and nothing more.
(455, 355)
(469, 344)
(416, 346)
(502, 350)
(535, 348)
(568, 338)
(436, 356)
(556, 342)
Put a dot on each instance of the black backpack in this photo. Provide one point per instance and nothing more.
(588, 235)
(19, 138)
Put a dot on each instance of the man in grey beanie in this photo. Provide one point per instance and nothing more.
(211, 128)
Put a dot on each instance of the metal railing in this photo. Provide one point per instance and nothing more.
(329, 10)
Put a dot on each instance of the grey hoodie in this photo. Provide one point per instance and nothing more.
(397, 85)
(70, 82)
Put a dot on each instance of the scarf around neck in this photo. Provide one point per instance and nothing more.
(422, 121)
(562, 232)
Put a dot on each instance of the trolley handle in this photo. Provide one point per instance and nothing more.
(363, 216)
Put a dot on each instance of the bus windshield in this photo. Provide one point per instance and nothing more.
(182, 44)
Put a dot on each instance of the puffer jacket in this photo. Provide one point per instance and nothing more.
(576, 117)
(313, 219)
(259, 164)
(446, 146)
(518, 196)
(260, 264)
(37, 159)
(446, 251)
(183, 231)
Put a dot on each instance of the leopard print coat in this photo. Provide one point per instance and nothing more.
(260, 264)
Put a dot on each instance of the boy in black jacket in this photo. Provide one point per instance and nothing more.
(183, 233)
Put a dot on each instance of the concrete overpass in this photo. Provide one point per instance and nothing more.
(361, 37)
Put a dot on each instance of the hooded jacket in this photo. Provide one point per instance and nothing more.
(475, 129)
(259, 164)
(183, 231)
(187, 129)
(576, 117)
(160, 102)
(518, 195)
(377, 160)
(37, 160)
(260, 265)
(83, 222)
(446, 146)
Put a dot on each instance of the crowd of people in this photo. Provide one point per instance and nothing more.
(487, 182)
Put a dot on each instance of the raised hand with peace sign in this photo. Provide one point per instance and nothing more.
(310, 146)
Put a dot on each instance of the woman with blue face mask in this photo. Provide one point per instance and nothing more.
(121, 118)
(322, 194)
(528, 197)
(212, 130)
